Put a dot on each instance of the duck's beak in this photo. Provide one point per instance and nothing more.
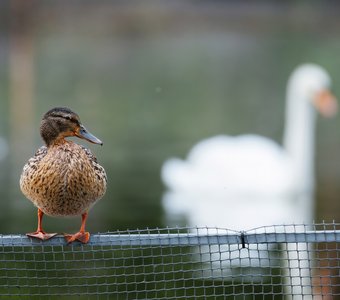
(86, 135)
(326, 103)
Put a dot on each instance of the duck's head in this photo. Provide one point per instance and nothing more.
(312, 82)
(61, 122)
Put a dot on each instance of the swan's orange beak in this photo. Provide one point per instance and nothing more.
(326, 103)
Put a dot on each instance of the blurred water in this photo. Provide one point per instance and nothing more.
(151, 80)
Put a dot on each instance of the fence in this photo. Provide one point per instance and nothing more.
(279, 262)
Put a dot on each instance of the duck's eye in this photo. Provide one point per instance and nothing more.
(72, 119)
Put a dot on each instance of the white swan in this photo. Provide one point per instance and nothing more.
(247, 170)
(249, 181)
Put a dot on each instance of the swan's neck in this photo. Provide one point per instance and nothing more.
(299, 135)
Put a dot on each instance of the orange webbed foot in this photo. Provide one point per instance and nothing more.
(41, 235)
(82, 237)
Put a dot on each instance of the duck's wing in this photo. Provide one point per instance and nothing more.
(100, 171)
(34, 161)
(30, 168)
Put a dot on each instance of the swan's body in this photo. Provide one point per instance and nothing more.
(249, 181)
(214, 189)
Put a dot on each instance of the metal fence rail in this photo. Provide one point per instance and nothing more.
(278, 262)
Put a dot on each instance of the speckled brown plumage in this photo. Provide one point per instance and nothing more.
(63, 178)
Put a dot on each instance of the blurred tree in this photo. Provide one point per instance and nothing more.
(21, 84)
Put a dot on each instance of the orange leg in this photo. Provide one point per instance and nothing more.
(81, 236)
(40, 233)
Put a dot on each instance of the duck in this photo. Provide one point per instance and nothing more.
(63, 178)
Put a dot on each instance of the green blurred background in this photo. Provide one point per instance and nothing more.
(150, 79)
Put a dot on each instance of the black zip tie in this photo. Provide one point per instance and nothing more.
(243, 241)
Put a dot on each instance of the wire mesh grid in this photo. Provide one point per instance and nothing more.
(278, 262)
